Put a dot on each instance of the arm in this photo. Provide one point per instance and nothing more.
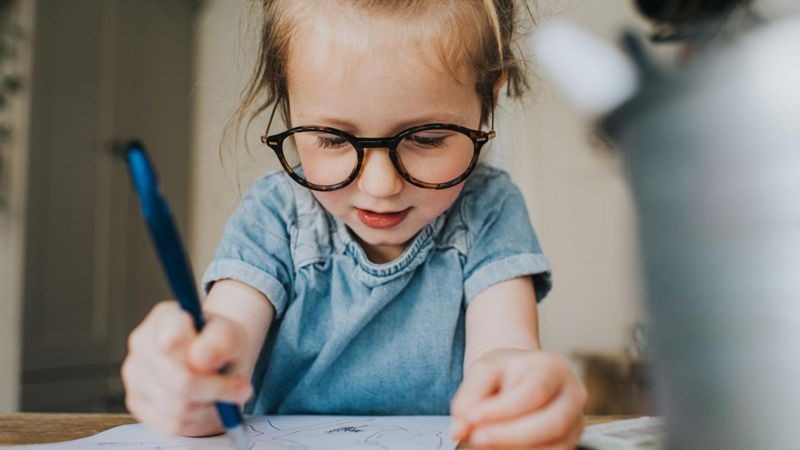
(513, 393)
(247, 307)
(502, 317)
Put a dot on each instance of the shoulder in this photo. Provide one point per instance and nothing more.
(272, 192)
(498, 235)
(486, 193)
(487, 185)
(309, 228)
(277, 194)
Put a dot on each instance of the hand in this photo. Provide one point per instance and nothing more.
(519, 398)
(171, 372)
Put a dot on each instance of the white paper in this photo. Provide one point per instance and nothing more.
(288, 432)
(644, 433)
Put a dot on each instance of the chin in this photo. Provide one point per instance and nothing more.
(387, 237)
(383, 241)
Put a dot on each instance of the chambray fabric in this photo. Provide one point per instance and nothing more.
(354, 337)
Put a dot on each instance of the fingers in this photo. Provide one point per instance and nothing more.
(199, 420)
(525, 387)
(558, 422)
(179, 411)
(529, 399)
(164, 389)
(459, 429)
(158, 340)
(178, 381)
(568, 443)
(220, 343)
(481, 382)
(171, 327)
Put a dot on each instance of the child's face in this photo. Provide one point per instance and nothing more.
(362, 77)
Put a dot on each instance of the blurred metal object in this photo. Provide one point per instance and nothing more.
(567, 53)
(713, 152)
(693, 20)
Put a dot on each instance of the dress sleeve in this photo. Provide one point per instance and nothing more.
(255, 247)
(502, 242)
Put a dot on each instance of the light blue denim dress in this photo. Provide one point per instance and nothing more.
(353, 337)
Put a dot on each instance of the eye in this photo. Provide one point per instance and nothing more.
(428, 140)
(330, 141)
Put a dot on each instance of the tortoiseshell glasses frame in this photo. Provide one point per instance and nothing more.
(479, 139)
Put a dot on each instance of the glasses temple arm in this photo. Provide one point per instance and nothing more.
(271, 116)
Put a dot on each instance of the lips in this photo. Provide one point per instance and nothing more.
(382, 220)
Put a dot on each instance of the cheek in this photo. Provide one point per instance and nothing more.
(432, 203)
(335, 202)
(328, 169)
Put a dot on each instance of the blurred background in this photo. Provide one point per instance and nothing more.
(77, 271)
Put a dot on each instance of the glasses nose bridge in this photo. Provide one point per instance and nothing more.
(389, 142)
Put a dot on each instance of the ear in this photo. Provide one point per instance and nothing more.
(498, 85)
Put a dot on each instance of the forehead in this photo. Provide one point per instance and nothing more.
(349, 59)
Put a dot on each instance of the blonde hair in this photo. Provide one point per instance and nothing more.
(483, 34)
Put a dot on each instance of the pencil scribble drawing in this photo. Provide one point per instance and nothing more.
(345, 430)
(289, 433)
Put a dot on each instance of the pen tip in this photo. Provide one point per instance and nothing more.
(239, 438)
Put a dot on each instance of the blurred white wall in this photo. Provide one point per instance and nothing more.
(226, 41)
(778, 8)
(580, 203)
(578, 198)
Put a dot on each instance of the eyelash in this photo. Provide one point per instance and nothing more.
(433, 142)
(330, 142)
(420, 141)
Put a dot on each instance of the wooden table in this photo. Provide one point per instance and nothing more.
(39, 428)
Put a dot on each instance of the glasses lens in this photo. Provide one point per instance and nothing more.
(320, 157)
(436, 156)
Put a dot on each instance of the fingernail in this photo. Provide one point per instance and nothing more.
(479, 438)
(169, 340)
(206, 359)
(457, 429)
(245, 392)
(209, 357)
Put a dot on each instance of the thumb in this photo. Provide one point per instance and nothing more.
(171, 328)
(481, 382)
(220, 343)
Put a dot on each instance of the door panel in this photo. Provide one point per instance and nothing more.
(103, 70)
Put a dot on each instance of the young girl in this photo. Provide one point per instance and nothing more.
(383, 271)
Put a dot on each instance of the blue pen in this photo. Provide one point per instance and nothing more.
(165, 236)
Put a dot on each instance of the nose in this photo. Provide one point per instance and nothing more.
(378, 177)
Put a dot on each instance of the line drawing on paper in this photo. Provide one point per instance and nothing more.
(304, 432)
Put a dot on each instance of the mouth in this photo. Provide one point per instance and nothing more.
(382, 220)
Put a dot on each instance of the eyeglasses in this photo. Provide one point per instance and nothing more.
(432, 156)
